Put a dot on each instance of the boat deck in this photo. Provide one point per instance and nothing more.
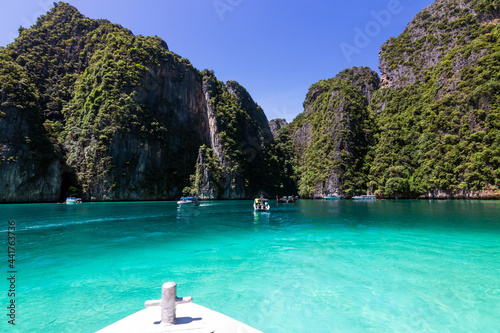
(191, 317)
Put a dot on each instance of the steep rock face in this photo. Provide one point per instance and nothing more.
(55, 51)
(157, 167)
(122, 118)
(35, 181)
(429, 37)
(276, 124)
(51, 66)
(29, 170)
(148, 149)
(438, 123)
(331, 137)
(208, 181)
(234, 166)
(259, 127)
(152, 143)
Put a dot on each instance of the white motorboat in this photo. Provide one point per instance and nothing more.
(261, 204)
(73, 201)
(189, 201)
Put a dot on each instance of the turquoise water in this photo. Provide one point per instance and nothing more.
(314, 266)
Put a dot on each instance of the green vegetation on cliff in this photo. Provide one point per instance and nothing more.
(112, 115)
(434, 31)
(333, 135)
(105, 100)
(20, 104)
(433, 130)
(125, 115)
(443, 134)
(53, 52)
(247, 158)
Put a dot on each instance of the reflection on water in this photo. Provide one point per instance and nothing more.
(260, 217)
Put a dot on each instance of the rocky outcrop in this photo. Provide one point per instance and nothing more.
(232, 166)
(88, 107)
(428, 38)
(188, 109)
(439, 104)
(121, 118)
(332, 135)
(208, 181)
(29, 168)
(488, 194)
(157, 165)
(26, 174)
(259, 127)
(276, 124)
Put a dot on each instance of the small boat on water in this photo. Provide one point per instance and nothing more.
(332, 197)
(364, 197)
(261, 204)
(286, 199)
(189, 201)
(73, 201)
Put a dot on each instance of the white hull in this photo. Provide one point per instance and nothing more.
(191, 317)
(73, 201)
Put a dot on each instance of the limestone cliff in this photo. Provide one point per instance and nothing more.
(234, 166)
(430, 36)
(147, 148)
(276, 124)
(332, 136)
(120, 117)
(29, 168)
(89, 108)
(438, 133)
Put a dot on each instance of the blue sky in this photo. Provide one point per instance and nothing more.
(275, 48)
